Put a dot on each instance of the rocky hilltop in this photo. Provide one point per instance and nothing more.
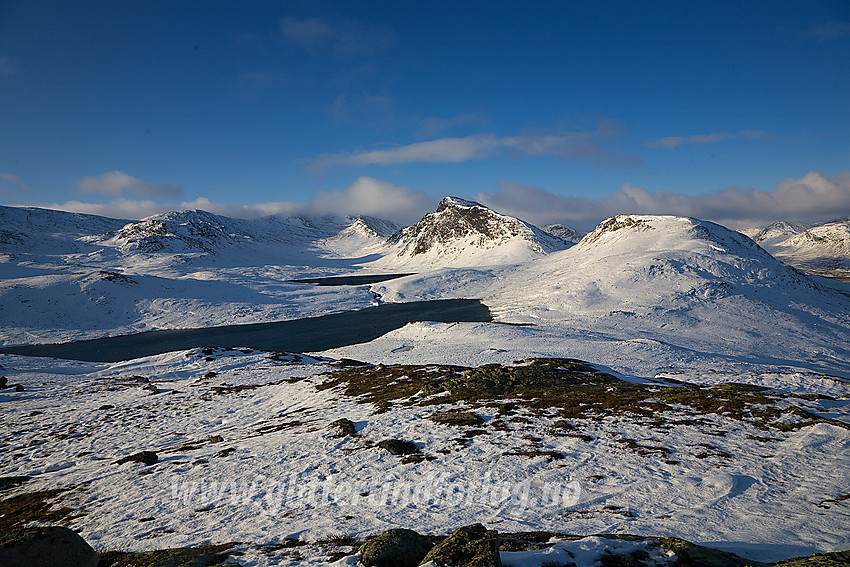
(463, 233)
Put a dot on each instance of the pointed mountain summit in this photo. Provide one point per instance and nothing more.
(465, 233)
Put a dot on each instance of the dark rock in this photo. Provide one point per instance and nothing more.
(395, 548)
(52, 546)
(12, 481)
(455, 417)
(470, 546)
(106, 407)
(19, 388)
(215, 438)
(145, 457)
(206, 555)
(151, 388)
(398, 446)
(343, 428)
(3, 381)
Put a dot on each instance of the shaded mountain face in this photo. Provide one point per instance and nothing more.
(566, 233)
(460, 232)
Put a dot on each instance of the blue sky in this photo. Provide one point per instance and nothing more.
(557, 111)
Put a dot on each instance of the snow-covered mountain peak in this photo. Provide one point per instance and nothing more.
(617, 223)
(462, 233)
(451, 201)
(192, 231)
(670, 233)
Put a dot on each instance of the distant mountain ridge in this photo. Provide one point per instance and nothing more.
(183, 235)
(822, 249)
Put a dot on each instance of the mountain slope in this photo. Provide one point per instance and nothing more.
(679, 281)
(466, 233)
(30, 230)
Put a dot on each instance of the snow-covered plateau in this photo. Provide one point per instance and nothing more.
(662, 377)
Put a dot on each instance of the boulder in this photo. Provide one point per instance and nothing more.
(52, 546)
(395, 548)
(343, 428)
(145, 457)
(469, 546)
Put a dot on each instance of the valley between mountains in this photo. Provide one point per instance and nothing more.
(660, 376)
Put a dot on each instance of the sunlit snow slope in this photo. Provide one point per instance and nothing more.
(676, 281)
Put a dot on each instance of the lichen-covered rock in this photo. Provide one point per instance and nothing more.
(51, 546)
(395, 548)
(469, 546)
(207, 555)
(688, 553)
(834, 559)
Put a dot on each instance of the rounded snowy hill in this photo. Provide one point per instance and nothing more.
(674, 280)
(466, 233)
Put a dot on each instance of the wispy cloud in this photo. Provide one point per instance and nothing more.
(580, 146)
(345, 38)
(119, 183)
(6, 67)
(365, 107)
(671, 142)
(435, 125)
(9, 182)
(811, 198)
(366, 196)
(829, 31)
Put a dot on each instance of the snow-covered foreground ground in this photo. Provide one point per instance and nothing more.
(239, 434)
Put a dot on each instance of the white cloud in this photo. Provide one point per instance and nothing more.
(671, 142)
(344, 38)
(583, 146)
(117, 208)
(366, 196)
(370, 197)
(7, 181)
(119, 183)
(811, 198)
